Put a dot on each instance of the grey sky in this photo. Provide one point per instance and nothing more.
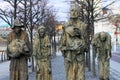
(106, 2)
(62, 7)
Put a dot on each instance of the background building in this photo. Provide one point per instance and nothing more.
(105, 24)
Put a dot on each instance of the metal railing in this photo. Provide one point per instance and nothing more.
(3, 55)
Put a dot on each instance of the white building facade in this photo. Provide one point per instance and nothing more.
(106, 25)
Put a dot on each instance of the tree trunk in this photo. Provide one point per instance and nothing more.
(92, 34)
(54, 45)
(93, 62)
(31, 34)
(25, 17)
(88, 41)
(89, 57)
(15, 9)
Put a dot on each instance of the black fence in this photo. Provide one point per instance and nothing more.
(3, 55)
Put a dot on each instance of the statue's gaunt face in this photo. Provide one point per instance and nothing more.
(103, 37)
(17, 29)
(74, 13)
(41, 32)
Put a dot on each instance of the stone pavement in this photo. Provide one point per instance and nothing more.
(58, 71)
(116, 57)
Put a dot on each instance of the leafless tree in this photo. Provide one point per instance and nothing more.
(8, 14)
(89, 10)
(37, 13)
(51, 24)
(32, 14)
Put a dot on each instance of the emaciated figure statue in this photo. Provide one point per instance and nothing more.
(76, 22)
(72, 47)
(73, 36)
(102, 44)
(18, 50)
(42, 55)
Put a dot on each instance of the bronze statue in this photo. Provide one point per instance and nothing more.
(74, 36)
(72, 47)
(18, 51)
(76, 22)
(42, 55)
(102, 44)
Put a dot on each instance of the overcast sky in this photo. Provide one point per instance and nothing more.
(61, 6)
(106, 2)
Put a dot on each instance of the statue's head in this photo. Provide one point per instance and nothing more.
(74, 11)
(17, 25)
(41, 31)
(102, 36)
